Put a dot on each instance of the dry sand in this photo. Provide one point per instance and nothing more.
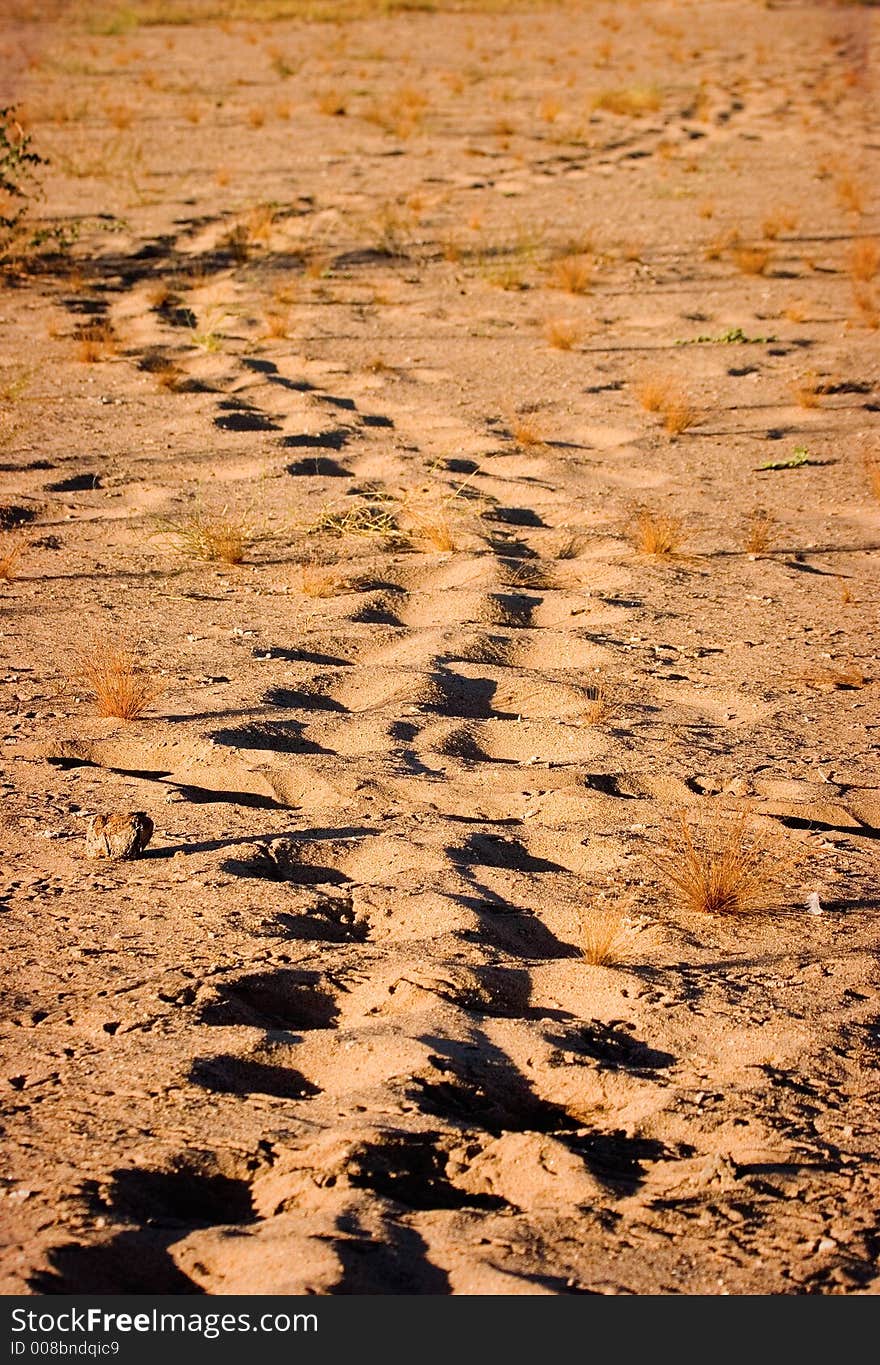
(334, 1033)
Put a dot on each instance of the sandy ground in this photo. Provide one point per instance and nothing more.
(335, 1032)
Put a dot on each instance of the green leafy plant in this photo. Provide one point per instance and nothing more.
(18, 163)
(734, 336)
(799, 458)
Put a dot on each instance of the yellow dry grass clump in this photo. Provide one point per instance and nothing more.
(562, 333)
(632, 101)
(661, 394)
(215, 538)
(117, 681)
(95, 343)
(9, 563)
(751, 260)
(760, 533)
(864, 259)
(658, 534)
(572, 274)
(605, 934)
(719, 871)
(526, 433)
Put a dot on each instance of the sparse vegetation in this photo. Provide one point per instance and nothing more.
(598, 698)
(217, 538)
(663, 395)
(526, 433)
(633, 101)
(751, 260)
(806, 390)
(721, 868)
(760, 533)
(9, 563)
(605, 935)
(95, 343)
(573, 274)
(117, 680)
(563, 334)
(864, 259)
(363, 519)
(658, 534)
(18, 165)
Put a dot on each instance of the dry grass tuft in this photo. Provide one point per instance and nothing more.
(598, 699)
(277, 324)
(850, 193)
(679, 415)
(652, 393)
(95, 343)
(867, 308)
(605, 935)
(872, 474)
(661, 394)
(573, 274)
(215, 538)
(721, 242)
(526, 433)
(761, 532)
(723, 870)
(117, 681)
(657, 534)
(332, 103)
(633, 101)
(437, 533)
(9, 563)
(569, 548)
(751, 260)
(563, 334)
(363, 519)
(864, 259)
(319, 582)
(777, 222)
(807, 390)
(850, 678)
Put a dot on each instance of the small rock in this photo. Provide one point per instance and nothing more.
(119, 834)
